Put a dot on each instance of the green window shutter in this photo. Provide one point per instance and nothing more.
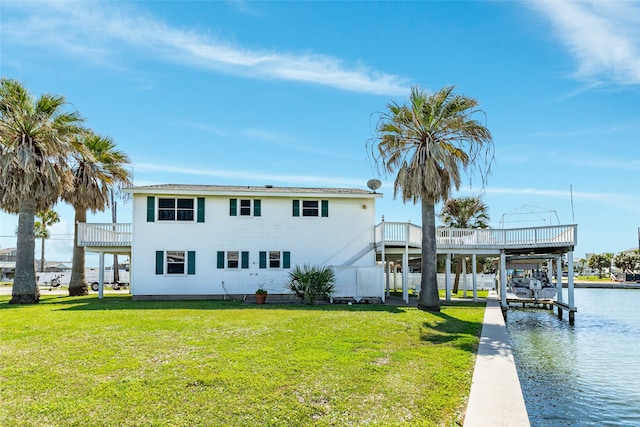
(256, 208)
(220, 259)
(191, 262)
(325, 208)
(286, 259)
(159, 262)
(151, 209)
(233, 207)
(244, 260)
(296, 208)
(200, 209)
(263, 259)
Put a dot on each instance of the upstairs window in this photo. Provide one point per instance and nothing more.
(247, 207)
(174, 209)
(311, 208)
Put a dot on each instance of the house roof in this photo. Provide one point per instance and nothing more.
(230, 190)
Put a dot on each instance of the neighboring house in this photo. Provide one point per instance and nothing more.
(7, 263)
(8, 255)
(208, 240)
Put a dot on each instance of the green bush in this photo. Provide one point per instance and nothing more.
(311, 282)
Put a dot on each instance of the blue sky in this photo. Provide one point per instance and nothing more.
(287, 93)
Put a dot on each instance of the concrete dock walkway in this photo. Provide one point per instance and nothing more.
(496, 397)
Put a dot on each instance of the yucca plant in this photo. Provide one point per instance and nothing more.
(311, 282)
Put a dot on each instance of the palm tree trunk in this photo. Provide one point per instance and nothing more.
(429, 298)
(456, 282)
(78, 282)
(25, 288)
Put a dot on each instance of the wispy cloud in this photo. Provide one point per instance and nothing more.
(629, 163)
(99, 30)
(604, 37)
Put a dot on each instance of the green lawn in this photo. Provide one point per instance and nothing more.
(81, 361)
(604, 278)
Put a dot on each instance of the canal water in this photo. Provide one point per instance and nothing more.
(586, 374)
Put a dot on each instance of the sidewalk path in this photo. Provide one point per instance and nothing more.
(496, 397)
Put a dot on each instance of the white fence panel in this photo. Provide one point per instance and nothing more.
(359, 282)
(483, 281)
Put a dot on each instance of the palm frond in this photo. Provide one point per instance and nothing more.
(430, 140)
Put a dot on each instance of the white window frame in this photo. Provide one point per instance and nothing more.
(250, 207)
(228, 260)
(271, 259)
(317, 208)
(176, 209)
(184, 263)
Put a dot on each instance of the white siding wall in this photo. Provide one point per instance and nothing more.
(335, 240)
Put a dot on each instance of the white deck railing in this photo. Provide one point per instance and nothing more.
(104, 235)
(400, 234)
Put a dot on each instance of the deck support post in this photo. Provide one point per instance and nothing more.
(559, 278)
(570, 278)
(503, 279)
(405, 276)
(405, 264)
(395, 277)
(464, 276)
(383, 256)
(447, 277)
(387, 268)
(474, 274)
(570, 287)
(101, 276)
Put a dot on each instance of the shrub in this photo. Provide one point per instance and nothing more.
(311, 282)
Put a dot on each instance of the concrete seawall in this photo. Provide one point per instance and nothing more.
(496, 397)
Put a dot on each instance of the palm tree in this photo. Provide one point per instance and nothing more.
(35, 140)
(96, 170)
(428, 141)
(465, 212)
(599, 262)
(41, 229)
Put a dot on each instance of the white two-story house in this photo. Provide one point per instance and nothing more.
(195, 241)
(209, 241)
